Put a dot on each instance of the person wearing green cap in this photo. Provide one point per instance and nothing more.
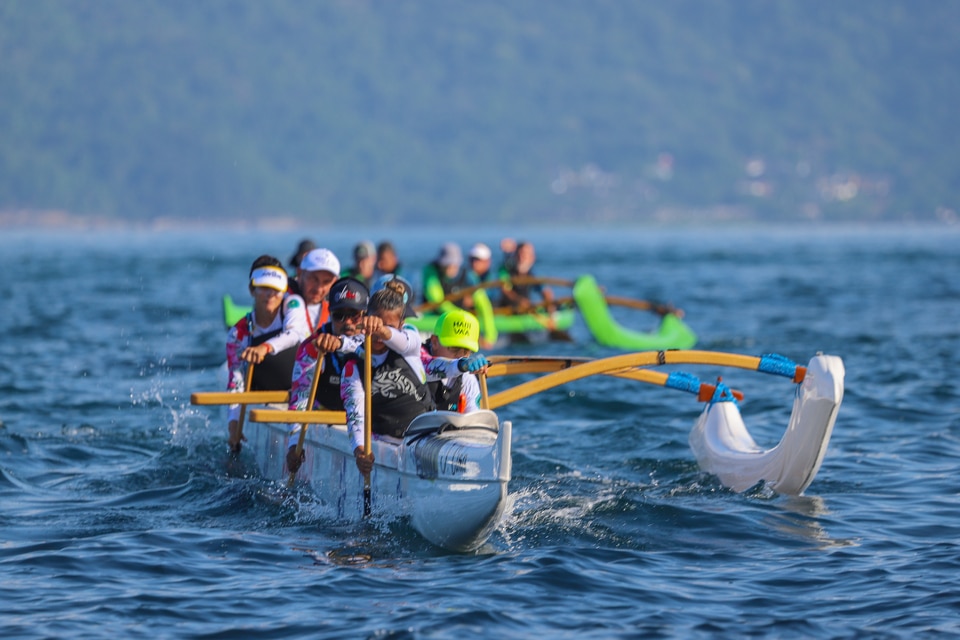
(455, 336)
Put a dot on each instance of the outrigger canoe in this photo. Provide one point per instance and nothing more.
(588, 299)
(592, 304)
(449, 473)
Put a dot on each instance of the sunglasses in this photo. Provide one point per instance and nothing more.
(341, 316)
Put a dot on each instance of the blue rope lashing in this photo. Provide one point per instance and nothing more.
(683, 382)
(778, 365)
(723, 394)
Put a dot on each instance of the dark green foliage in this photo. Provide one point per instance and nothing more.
(501, 110)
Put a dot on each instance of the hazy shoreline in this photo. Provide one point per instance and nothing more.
(58, 220)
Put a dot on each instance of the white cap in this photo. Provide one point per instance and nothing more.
(480, 251)
(273, 277)
(321, 260)
(450, 255)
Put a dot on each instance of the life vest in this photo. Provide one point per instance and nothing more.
(293, 287)
(354, 273)
(276, 370)
(449, 285)
(525, 291)
(447, 398)
(398, 395)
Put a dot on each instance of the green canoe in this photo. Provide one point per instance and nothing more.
(672, 333)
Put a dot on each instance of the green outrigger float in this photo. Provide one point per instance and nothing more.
(588, 299)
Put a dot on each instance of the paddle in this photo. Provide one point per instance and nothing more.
(484, 394)
(367, 417)
(621, 301)
(490, 284)
(303, 426)
(630, 303)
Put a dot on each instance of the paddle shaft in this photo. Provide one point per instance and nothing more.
(630, 303)
(314, 384)
(490, 284)
(620, 301)
(243, 408)
(367, 417)
(484, 394)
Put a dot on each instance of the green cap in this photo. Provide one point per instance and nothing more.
(458, 329)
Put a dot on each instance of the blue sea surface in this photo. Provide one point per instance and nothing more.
(123, 515)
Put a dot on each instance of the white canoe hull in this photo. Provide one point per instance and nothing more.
(451, 483)
(723, 446)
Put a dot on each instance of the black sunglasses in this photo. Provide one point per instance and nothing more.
(340, 316)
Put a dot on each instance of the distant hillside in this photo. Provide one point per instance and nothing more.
(506, 110)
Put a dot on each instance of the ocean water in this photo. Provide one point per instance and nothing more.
(124, 516)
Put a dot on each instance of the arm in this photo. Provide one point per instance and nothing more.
(405, 342)
(295, 327)
(310, 354)
(471, 392)
(438, 368)
(432, 289)
(303, 372)
(352, 393)
(306, 364)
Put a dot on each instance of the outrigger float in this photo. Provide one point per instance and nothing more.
(449, 473)
(587, 298)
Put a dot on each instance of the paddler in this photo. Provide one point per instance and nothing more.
(303, 248)
(348, 300)
(480, 270)
(317, 272)
(387, 261)
(522, 298)
(445, 275)
(364, 263)
(266, 337)
(399, 378)
(456, 335)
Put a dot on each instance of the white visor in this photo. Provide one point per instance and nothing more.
(273, 277)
